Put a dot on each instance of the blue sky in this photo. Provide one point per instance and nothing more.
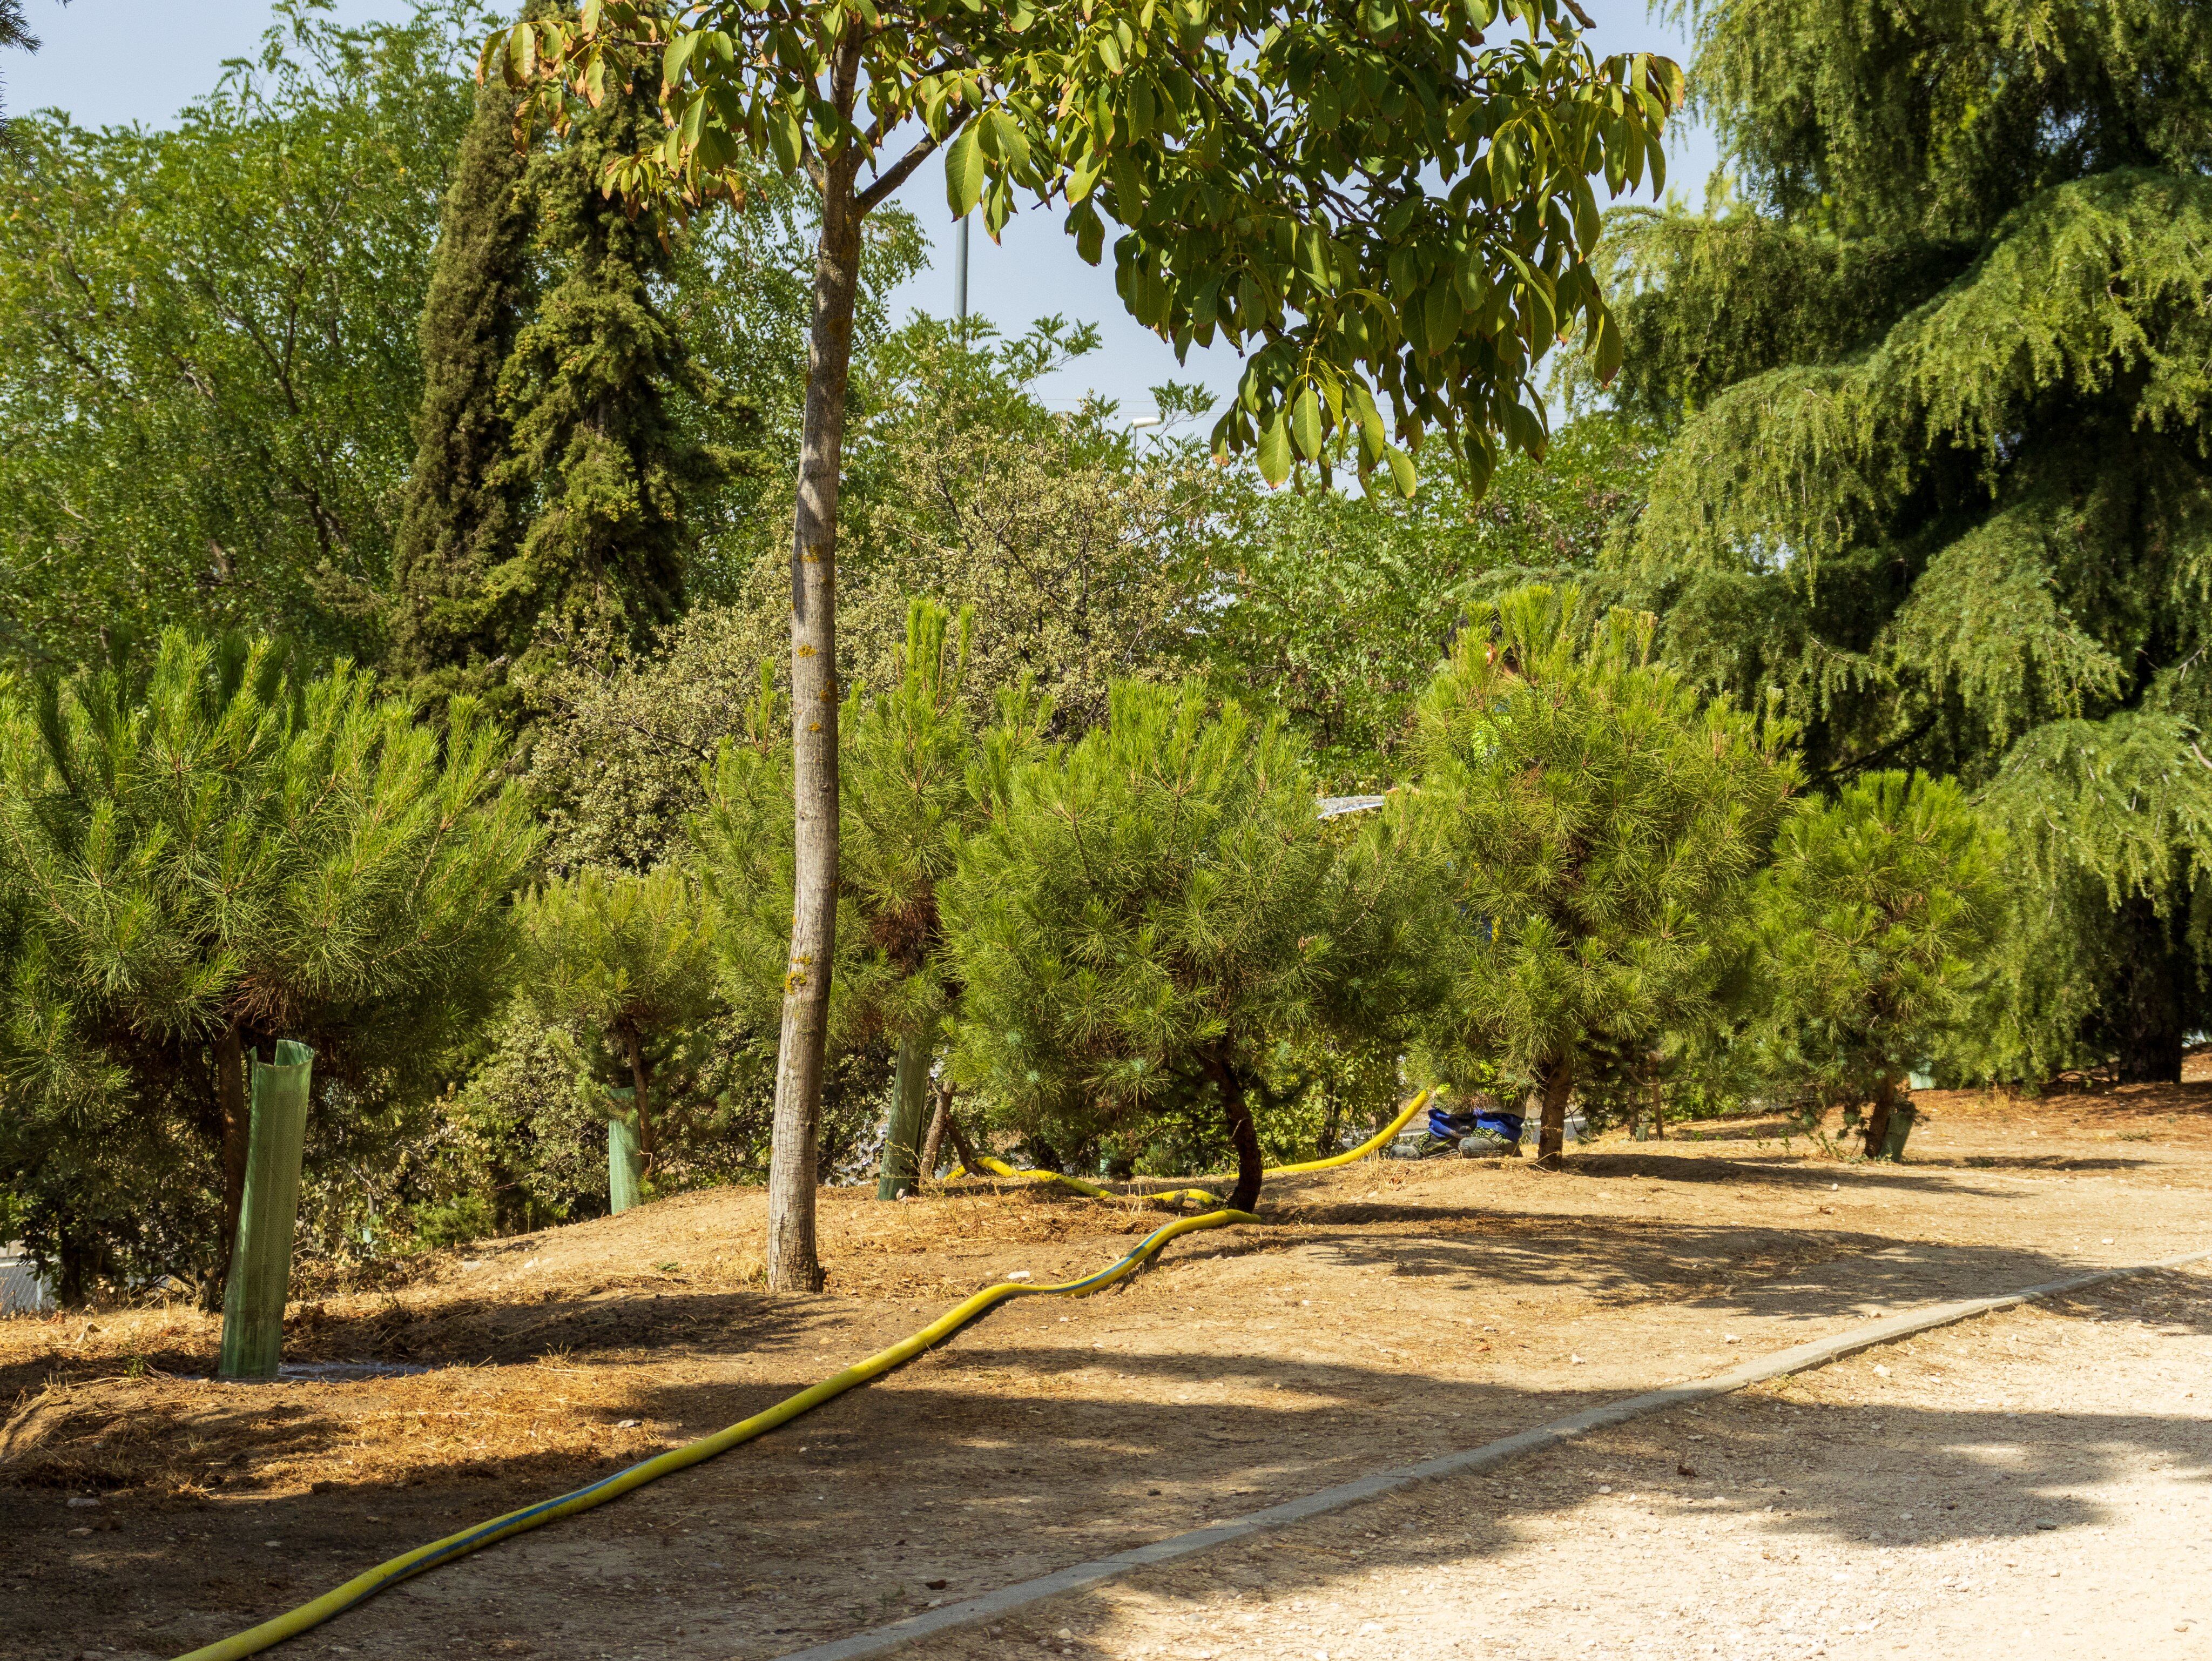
(119, 61)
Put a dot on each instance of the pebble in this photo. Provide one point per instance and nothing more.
(77, 1503)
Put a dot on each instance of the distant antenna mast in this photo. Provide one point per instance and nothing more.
(960, 278)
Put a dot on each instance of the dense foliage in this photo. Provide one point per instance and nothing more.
(1153, 912)
(1600, 823)
(199, 856)
(1938, 454)
(1872, 924)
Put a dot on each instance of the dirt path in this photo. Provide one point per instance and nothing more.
(2061, 1510)
(1386, 1314)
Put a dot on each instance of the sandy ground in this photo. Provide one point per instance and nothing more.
(2062, 1509)
(1388, 1313)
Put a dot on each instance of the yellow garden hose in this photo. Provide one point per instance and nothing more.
(1000, 1168)
(408, 1565)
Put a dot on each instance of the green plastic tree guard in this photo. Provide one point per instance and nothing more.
(896, 1173)
(1901, 1118)
(625, 1158)
(261, 1261)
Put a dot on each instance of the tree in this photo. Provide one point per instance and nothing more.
(1872, 923)
(916, 778)
(1385, 206)
(1337, 610)
(201, 855)
(207, 345)
(1154, 911)
(629, 961)
(1073, 553)
(1601, 824)
(556, 482)
(464, 509)
(1937, 464)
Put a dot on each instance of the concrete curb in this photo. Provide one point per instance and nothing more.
(995, 1605)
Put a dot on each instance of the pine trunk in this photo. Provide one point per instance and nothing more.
(1877, 1120)
(933, 1142)
(230, 1098)
(1243, 1134)
(1556, 1079)
(794, 1263)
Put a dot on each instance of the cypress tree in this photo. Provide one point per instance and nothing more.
(463, 512)
(1939, 456)
(550, 501)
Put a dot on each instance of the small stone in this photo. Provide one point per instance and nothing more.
(1063, 1635)
(625, 1424)
(935, 1586)
(80, 1530)
(79, 1503)
(1880, 1371)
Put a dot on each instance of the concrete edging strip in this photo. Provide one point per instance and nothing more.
(995, 1605)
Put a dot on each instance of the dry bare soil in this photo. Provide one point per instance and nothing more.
(2037, 1483)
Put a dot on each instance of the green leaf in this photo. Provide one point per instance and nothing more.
(1401, 472)
(1610, 350)
(1090, 232)
(1274, 452)
(964, 172)
(1440, 314)
(1305, 423)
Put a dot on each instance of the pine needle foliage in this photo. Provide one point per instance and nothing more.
(1601, 822)
(203, 855)
(1152, 910)
(1874, 920)
(916, 777)
(629, 961)
(1939, 465)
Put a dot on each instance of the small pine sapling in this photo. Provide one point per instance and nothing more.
(1600, 824)
(1872, 922)
(1152, 909)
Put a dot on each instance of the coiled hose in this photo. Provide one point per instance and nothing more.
(408, 1565)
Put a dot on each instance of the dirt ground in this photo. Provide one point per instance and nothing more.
(1383, 1314)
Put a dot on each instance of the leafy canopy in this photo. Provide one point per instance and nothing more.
(1379, 205)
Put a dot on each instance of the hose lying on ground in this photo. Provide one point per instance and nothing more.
(408, 1565)
(1173, 1197)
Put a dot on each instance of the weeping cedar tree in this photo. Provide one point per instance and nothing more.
(1872, 922)
(200, 858)
(916, 777)
(629, 961)
(1154, 909)
(1938, 464)
(1387, 211)
(1600, 824)
(556, 474)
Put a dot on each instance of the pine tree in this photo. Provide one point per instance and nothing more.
(1601, 824)
(1154, 910)
(1873, 921)
(464, 510)
(629, 959)
(201, 857)
(1939, 456)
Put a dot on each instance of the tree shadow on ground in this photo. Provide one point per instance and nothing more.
(948, 1486)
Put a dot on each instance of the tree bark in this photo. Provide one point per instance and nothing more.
(960, 1146)
(1556, 1079)
(230, 1099)
(899, 1171)
(793, 1264)
(1243, 1134)
(934, 1140)
(2152, 1021)
(1876, 1130)
(639, 1083)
